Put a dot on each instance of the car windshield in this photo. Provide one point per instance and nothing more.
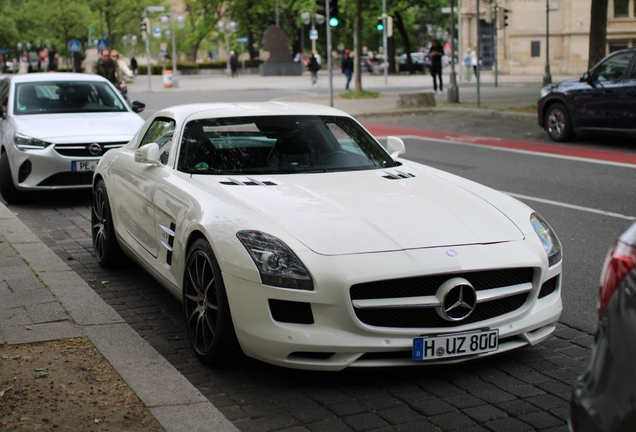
(53, 97)
(279, 145)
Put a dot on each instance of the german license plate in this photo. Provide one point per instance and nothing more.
(83, 166)
(455, 344)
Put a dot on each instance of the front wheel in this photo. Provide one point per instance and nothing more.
(206, 308)
(105, 245)
(558, 123)
(7, 188)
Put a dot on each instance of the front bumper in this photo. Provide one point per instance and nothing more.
(335, 338)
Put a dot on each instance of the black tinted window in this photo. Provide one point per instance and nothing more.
(613, 68)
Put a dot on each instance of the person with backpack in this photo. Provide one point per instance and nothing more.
(313, 67)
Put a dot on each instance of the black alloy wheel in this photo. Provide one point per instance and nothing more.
(105, 245)
(7, 188)
(558, 123)
(206, 308)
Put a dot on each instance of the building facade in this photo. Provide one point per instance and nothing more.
(520, 46)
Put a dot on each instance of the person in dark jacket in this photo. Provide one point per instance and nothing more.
(436, 53)
(109, 69)
(234, 63)
(347, 66)
(313, 67)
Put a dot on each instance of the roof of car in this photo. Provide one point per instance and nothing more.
(247, 109)
(55, 76)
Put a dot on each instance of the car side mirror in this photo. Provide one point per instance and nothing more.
(585, 77)
(148, 154)
(395, 146)
(3, 115)
(138, 106)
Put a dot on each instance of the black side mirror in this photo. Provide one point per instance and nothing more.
(138, 106)
(3, 115)
(585, 77)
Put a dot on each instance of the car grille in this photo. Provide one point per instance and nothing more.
(84, 149)
(68, 179)
(548, 287)
(418, 317)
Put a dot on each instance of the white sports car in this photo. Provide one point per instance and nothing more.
(291, 234)
(54, 128)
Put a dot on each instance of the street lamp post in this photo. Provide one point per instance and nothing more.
(453, 91)
(226, 27)
(24, 48)
(547, 77)
(165, 19)
(147, 21)
(132, 39)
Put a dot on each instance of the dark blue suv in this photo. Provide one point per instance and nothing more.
(604, 98)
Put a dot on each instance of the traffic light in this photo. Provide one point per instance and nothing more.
(389, 26)
(503, 18)
(334, 18)
(321, 7)
(143, 28)
(380, 25)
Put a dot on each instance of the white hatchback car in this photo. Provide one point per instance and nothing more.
(291, 234)
(54, 128)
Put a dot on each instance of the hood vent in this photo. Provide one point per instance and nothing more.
(247, 182)
(397, 175)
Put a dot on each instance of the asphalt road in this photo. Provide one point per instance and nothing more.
(525, 390)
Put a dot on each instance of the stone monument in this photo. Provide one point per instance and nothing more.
(280, 62)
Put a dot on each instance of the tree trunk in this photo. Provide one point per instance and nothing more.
(194, 48)
(357, 70)
(598, 32)
(391, 54)
(407, 43)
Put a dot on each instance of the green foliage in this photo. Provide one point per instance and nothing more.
(359, 95)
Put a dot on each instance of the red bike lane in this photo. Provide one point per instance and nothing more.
(573, 151)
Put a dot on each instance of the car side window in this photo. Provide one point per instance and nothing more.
(4, 95)
(613, 68)
(161, 132)
(632, 75)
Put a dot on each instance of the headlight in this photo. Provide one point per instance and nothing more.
(548, 238)
(276, 263)
(23, 142)
(545, 90)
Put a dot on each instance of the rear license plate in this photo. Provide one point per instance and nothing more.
(455, 344)
(83, 166)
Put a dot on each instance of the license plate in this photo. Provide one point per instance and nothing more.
(455, 344)
(83, 166)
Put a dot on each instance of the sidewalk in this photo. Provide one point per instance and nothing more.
(42, 299)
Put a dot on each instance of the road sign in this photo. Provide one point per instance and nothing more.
(313, 34)
(155, 8)
(156, 32)
(74, 46)
(241, 40)
(102, 44)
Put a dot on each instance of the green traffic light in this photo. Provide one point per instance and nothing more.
(380, 27)
(333, 22)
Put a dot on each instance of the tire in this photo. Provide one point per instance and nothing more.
(206, 308)
(105, 245)
(7, 188)
(558, 123)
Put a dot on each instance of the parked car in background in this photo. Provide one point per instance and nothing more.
(290, 233)
(604, 396)
(602, 99)
(421, 62)
(54, 128)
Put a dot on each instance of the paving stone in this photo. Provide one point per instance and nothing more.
(431, 407)
(16, 316)
(47, 312)
(464, 400)
(507, 424)
(586, 341)
(517, 407)
(20, 334)
(452, 421)
(348, 408)
(329, 396)
(555, 387)
(525, 391)
(329, 426)
(233, 413)
(484, 413)
(547, 402)
(417, 426)
(577, 352)
(381, 402)
(556, 343)
(566, 362)
(562, 413)
(494, 395)
(413, 395)
(540, 419)
(398, 415)
(364, 422)
(276, 422)
(311, 415)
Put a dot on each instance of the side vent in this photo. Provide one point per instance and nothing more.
(248, 182)
(168, 234)
(397, 175)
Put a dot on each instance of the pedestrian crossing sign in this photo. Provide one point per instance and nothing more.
(74, 46)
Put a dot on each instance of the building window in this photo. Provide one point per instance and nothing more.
(621, 8)
(535, 48)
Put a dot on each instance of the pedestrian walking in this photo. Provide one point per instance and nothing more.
(347, 66)
(436, 53)
(313, 67)
(123, 67)
(133, 64)
(467, 63)
(109, 69)
(234, 64)
(473, 61)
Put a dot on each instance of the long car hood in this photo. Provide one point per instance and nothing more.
(362, 212)
(77, 127)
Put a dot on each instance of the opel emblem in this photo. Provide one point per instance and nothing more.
(457, 299)
(95, 149)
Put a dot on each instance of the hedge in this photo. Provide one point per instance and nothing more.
(157, 69)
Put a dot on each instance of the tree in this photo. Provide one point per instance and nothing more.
(204, 17)
(598, 32)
